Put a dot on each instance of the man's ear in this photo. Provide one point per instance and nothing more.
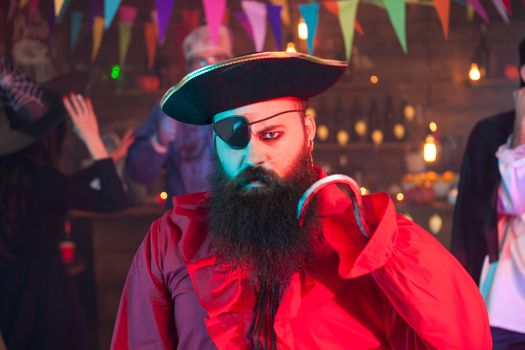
(310, 127)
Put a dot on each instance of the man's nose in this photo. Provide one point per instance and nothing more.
(254, 154)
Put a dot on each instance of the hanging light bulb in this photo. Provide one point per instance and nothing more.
(430, 149)
(433, 126)
(342, 137)
(302, 30)
(310, 111)
(323, 132)
(474, 73)
(290, 47)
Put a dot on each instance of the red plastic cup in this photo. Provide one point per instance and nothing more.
(67, 250)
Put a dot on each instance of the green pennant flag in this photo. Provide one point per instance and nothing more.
(396, 12)
(347, 12)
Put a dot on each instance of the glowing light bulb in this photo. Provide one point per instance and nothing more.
(360, 128)
(430, 149)
(322, 132)
(474, 73)
(342, 137)
(433, 126)
(310, 111)
(435, 223)
(290, 47)
(399, 131)
(374, 79)
(363, 190)
(409, 112)
(163, 195)
(377, 137)
(400, 197)
(302, 30)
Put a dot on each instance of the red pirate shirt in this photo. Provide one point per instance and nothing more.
(400, 289)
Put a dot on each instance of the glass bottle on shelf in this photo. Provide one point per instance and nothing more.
(389, 120)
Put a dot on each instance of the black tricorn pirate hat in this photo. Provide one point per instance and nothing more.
(29, 110)
(248, 79)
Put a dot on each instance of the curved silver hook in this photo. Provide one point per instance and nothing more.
(356, 198)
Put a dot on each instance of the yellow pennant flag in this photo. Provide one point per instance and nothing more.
(98, 33)
(58, 6)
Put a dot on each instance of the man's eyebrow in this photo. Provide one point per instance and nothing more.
(269, 128)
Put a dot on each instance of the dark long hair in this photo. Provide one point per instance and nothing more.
(13, 182)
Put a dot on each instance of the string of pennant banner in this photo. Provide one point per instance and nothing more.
(254, 18)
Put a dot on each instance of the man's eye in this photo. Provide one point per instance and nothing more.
(271, 135)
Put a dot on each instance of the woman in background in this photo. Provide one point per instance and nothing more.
(38, 304)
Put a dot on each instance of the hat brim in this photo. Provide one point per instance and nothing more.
(248, 79)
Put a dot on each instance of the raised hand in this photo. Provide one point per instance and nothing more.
(122, 148)
(85, 123)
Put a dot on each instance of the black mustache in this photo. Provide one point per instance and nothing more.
(255, 174)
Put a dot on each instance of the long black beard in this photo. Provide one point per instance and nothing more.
(256, 230)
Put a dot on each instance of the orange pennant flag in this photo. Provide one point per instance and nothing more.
(443, 10)
(359, 28)
(150, 36)
(332, 6)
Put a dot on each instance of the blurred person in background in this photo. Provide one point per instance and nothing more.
(488, 235)
(39, 308)
(186, 151)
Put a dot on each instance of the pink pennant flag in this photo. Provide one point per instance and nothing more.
(244, 22)
(502, 10)
(256, 13)
(127, 14)
(214, 11)
(479, 9)
(507, 5)
(33, 8)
